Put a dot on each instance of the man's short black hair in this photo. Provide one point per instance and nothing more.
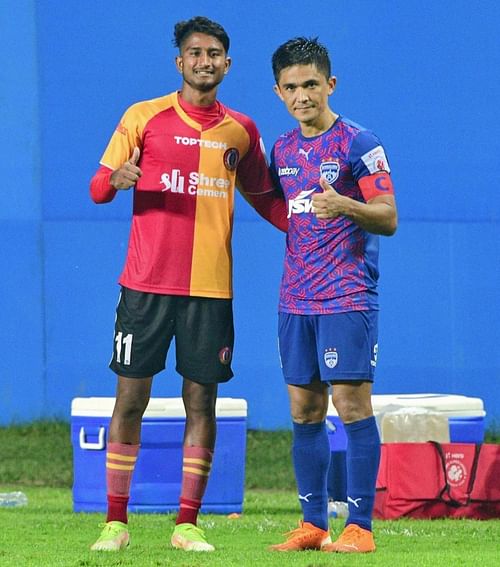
(199, 24)
(301, 51)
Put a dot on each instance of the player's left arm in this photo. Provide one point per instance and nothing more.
(377, 215)
(270, 206)
(376, 212)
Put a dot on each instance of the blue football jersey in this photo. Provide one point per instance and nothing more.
(331, 266)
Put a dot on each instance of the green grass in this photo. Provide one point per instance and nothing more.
(38, 454)
(47, 533)
(37, 459)
(269, 461)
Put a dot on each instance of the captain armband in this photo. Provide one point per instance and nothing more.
(377, 184)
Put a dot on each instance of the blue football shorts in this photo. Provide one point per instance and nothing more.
(333, 347)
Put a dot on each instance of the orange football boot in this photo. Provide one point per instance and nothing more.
(306, 536)
(352, 540)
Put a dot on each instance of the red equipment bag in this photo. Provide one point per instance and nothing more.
(433, 480)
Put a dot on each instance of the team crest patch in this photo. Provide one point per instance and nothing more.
(331, 357)
(330, 170)
(456, 472)
(231, 159)
(225, 355)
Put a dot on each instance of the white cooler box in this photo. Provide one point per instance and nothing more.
(464, 415)
(156, 483)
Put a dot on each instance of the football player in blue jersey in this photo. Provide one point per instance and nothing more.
(336, 180)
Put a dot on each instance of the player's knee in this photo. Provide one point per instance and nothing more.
(199, 400)
(200, 411)
(306, 415)
(130, 409)
(352, 410)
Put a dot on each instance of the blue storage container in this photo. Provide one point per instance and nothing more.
(156, 483)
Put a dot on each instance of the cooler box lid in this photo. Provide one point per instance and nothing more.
(450, 405)
(157, 407)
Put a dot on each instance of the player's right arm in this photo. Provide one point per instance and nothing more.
(106, 182)
(119, 165)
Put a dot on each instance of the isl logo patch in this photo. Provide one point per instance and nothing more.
(331, 357)
(330, 170)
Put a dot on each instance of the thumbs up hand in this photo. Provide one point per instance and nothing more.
(136, 154)
(127, 175)
(328, 204)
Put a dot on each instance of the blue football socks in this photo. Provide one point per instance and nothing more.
(362, 459)
(311, 460)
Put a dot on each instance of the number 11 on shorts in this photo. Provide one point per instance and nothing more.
(121, 341)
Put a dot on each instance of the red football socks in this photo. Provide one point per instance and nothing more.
(196, 466)
(120, 464)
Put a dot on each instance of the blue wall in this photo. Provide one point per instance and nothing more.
(423, 76)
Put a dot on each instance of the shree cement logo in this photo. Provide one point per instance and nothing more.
(197, 183)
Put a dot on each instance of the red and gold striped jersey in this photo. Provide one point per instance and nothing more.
(180, 240)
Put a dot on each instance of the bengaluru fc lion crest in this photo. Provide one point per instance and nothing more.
(331, 357)
(330, 171)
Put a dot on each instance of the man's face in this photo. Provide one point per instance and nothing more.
(305, 92)
(203, 62)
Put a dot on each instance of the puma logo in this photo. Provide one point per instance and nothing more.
(354, 501)
(303, 152)
(306, 497)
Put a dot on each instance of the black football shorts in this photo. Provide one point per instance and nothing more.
(202, 327)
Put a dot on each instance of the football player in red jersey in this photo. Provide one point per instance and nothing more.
(183, 153)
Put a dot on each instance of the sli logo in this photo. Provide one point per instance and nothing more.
(197, 184)
(173, 182)
(301, 204)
